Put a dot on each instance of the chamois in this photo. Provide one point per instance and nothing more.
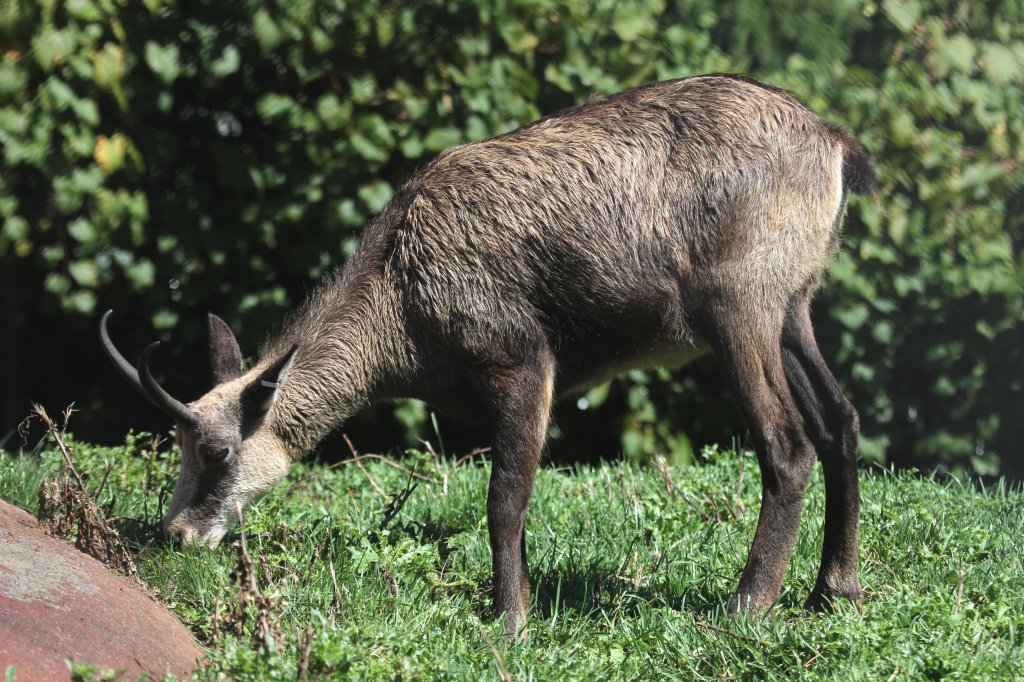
(639, 229)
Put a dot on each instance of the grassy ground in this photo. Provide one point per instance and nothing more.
(630, 579)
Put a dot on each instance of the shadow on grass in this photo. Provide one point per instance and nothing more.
(593, 590)
(590, 590)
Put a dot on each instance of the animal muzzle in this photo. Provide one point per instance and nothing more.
(180, 531)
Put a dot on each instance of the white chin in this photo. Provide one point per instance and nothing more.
(212, 538)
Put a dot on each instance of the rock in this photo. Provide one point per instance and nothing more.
(57, 603)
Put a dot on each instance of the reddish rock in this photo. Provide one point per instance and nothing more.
(57, 603)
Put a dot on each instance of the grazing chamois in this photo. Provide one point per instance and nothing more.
(639, 229)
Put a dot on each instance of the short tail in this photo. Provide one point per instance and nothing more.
(859, 174)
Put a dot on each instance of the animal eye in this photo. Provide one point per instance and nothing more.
(216, 453)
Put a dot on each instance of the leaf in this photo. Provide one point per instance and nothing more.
(108, 66)
(375, 195)
(83, 10)
(61, 93)
(67, 198)
(227, 63)
(85, 272)
(50, 47)
(163, 61)
(517, 37)
(959, 53)
(349, 213)
(882, 332)
(57, 283)
(87, 180)
(364, 88)
(376, 128)
(109, 153)
(164, 319)
(904, 14)
(412, 146)
(142, 275)
(439, 139)
(853, 316)
(86, 111)
(416, 106)
(385, 28)
(944, 386)
(82, 230)
(267, 31)
(12, 78)
(272, 105)
(979, 174)
(1000, 64)
(13, 121)
(15, 229)
(367, 148)
(82, 302)
(631, 21)
(334, 113)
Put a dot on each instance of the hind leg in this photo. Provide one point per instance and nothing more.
(746, 345)
(833, 426)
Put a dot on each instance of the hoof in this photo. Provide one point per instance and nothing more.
(749, 604)
(515, 627)
(826, 598)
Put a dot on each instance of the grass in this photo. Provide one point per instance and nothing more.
(630, 579)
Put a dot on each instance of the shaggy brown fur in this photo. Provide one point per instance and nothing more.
(635, 230)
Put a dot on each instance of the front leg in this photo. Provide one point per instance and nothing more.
(519, 402)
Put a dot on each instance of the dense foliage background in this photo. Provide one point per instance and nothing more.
(168, 158)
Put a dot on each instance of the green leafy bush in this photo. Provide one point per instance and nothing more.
(165, 158)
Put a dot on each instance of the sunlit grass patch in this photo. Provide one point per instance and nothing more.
(632, 570)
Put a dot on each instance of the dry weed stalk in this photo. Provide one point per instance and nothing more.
(250, 597)
(68, 510)
(503, 672)
(734, 507)
(337, 604)
(662, 466)
(304, 643)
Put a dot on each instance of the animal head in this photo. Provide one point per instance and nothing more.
(230, 453)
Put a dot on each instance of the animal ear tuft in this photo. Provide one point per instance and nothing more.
(225, 355)
(259, 397)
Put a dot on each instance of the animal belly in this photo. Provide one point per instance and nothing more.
(668, 355)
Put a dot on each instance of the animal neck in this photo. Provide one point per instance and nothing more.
(352, 349)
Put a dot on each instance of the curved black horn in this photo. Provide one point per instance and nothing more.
(159, 396)
(123, 367)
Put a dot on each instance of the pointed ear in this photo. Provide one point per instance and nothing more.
(225, 355)
(259, 396)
